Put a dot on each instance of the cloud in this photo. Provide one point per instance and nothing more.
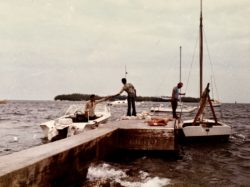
(51, 45)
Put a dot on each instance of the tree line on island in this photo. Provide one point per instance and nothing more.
(85, 97)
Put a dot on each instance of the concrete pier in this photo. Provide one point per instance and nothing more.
(66, 161)
(138, 135)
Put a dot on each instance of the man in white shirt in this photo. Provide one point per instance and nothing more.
(175, 98)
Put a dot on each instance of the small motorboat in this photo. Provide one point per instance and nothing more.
(70, 124)
(118, 103)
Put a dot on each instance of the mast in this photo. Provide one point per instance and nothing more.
(180, 63)
(126, 72)
(201, 50)
(180, 71)
(212, 87)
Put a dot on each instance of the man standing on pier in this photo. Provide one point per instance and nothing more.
(175, 98)
(130, 89)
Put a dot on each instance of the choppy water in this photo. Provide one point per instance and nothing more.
(199, 164)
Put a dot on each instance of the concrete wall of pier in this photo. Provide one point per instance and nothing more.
(58, 163)
(66, 161)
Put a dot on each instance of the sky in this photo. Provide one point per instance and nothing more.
(52, 47)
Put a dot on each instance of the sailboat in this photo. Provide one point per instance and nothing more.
(200, 127)
(215, 103)
(182, 109)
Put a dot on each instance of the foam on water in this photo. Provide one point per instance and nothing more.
(106, 171)
(156, 182)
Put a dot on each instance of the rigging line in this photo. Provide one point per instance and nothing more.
(212, 68)
(213, 74)
(196, 44)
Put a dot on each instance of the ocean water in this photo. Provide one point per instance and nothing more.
(199, 164)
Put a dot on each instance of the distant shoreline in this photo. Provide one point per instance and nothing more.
(84, 97)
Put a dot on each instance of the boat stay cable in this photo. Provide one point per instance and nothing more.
(213, 81)
(212, 67)
(191, 64)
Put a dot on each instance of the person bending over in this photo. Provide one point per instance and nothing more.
(131, 91)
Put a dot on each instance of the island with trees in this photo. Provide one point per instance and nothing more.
(84, 97)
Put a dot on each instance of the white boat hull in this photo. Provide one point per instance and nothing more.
(49, 129)
(64, 126)
(76, 128)
(206, 128)
(215, 104)
(169, 109)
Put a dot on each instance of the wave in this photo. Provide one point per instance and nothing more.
(106, 174)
